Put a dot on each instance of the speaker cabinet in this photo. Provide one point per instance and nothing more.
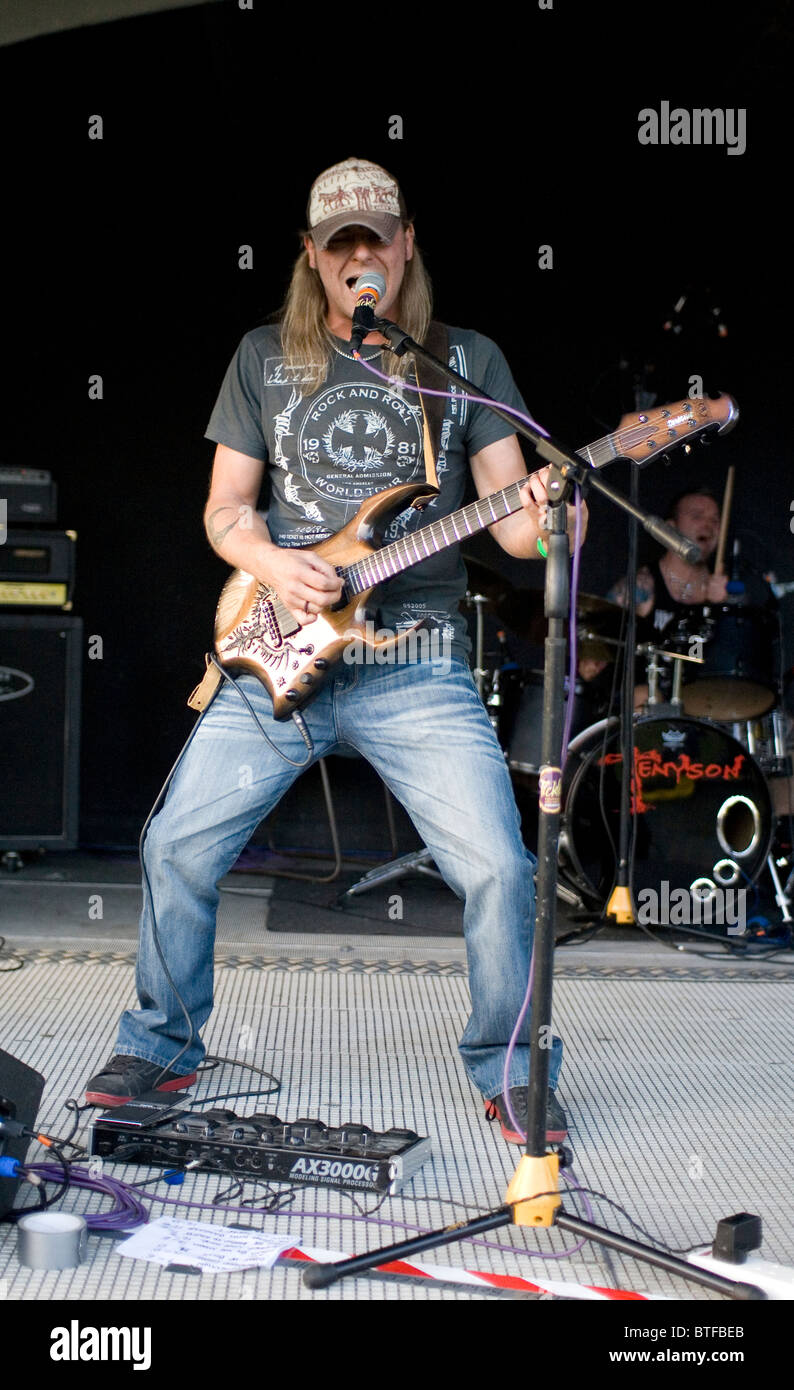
(20, 1096)
(40, 667)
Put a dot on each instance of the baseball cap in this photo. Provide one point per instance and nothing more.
(354, 193)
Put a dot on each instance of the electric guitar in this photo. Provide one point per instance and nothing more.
(256, 632)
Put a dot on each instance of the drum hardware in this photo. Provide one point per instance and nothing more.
(480, 602)
(766, 740)
(782, 895)
(654, 670)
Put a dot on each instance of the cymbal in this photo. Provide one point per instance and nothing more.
(485, 580)
(591, 603)
(522, 610)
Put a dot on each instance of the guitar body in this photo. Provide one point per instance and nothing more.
(255, 632)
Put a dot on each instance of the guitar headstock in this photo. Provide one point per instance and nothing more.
(646, 433)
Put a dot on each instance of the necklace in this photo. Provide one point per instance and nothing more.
(350, 356)
(686, 588)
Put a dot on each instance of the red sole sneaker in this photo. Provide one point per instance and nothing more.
(553, 1136)
(180, 1083)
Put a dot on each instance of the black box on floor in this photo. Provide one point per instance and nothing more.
(40, 670)
(20, 1094)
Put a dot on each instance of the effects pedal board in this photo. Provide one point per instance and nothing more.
(259, 1146)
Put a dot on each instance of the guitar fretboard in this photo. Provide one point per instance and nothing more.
(429, 540)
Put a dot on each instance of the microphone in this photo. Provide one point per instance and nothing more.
(370, 289)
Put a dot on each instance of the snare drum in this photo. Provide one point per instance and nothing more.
(700, 805)
(739, 645)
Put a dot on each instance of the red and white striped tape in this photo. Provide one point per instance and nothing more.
(448, 1274)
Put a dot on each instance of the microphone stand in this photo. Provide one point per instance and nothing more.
(533, 1197)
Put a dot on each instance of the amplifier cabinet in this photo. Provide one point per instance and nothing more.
(37, 569)
(40, 679)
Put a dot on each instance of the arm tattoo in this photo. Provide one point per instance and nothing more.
(218, 534)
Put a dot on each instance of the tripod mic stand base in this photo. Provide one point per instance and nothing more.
(620, 906)
(534, 1190)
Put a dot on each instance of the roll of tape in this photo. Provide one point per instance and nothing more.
(51, 1240)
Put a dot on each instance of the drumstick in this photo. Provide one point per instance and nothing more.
(719, 563)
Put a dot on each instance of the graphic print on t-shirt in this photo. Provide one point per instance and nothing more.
(356, 440)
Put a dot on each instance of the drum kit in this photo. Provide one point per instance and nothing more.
(712, 780)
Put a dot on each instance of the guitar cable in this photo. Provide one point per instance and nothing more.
(296, 716)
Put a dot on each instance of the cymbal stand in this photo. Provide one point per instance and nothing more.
(479, 601)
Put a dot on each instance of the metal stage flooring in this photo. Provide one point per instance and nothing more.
(676, 1081)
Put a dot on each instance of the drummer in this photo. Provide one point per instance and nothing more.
(669, 584)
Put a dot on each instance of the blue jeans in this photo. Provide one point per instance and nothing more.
(424, 728)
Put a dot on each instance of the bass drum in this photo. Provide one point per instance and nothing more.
(700, 806)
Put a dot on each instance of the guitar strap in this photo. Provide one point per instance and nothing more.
(433, 407)
(437, 342)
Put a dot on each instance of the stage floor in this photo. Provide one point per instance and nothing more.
(676, 1082)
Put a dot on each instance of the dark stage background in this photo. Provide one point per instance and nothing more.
(519, 129)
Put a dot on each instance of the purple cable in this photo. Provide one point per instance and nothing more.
(451, 395)
(128, 1212)
(368, 1220)
(573, 635)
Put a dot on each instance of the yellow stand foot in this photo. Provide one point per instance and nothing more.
(620, 906)
(533, 1176)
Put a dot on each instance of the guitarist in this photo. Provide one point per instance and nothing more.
(297, 412)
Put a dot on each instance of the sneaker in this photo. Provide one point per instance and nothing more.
(124, 1078)
(556, 1123)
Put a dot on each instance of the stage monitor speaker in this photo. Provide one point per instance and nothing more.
(20, 1096)
(40, 669)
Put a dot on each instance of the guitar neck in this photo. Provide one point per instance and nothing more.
(467, 521)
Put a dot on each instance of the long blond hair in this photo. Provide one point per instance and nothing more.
(305, 340)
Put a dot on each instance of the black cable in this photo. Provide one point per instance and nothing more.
(15, 962)
(213, 1059)
(236, 1095)
(12, 1217)
(296, 716)
(736, 948)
